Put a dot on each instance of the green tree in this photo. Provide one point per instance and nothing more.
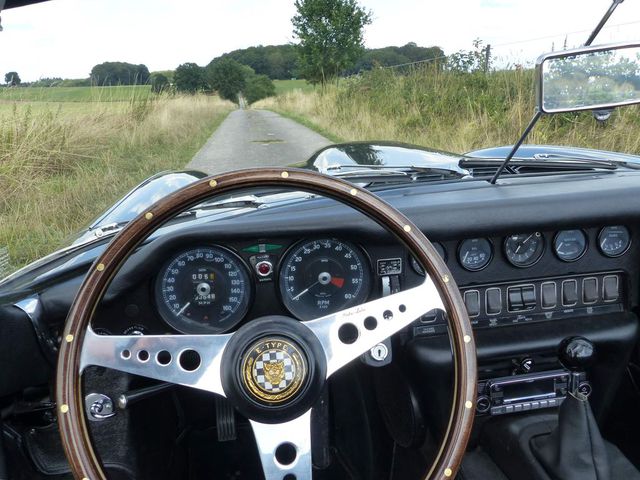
(190, 77)
(471, 61)
(159, 83)
(228, 77)
(12, 79)
(258, 87)
(119, 73)
(330, 34)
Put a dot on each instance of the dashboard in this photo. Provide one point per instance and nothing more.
(211, 287)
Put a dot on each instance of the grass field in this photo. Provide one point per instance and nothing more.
(75, 94)
(62, 163)
(284, 86)
(454, 112)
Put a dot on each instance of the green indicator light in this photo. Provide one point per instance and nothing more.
(262, 248)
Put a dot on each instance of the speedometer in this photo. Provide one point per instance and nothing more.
(203, 290)
(320, 277)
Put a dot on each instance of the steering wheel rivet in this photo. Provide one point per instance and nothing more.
(148, 215)
(284, 174)
(100, 267)
(64, 408)
(445, 278)
(69, 338)
(448, 472)
(468, 404)
(353, 192)
(213, 184)
(466, 338)
(407, 228)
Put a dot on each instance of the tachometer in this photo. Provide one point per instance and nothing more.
(614, 241)
(570, 245)
(320, 277)
(524, 249)
(203, 290)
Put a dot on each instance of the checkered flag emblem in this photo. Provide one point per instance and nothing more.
(274, 371)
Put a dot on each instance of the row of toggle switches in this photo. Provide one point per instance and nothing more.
(543, 295)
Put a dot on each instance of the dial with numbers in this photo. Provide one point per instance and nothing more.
(524, 249)
(323, 276)
(475, 253)
(203, 290)
(613, 241)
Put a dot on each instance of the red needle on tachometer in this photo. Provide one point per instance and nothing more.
(338, 282)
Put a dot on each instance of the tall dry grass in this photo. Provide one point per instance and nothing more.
(61, 167)
(448, 111)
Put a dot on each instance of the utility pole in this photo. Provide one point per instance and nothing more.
(487, 58)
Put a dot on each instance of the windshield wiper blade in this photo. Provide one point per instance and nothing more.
(386, 173)
(552, 161)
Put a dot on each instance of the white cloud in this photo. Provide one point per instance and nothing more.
(67, 37)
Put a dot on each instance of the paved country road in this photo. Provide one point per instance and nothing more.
(256, 138)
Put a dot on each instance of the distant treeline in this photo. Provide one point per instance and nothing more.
(280, 62)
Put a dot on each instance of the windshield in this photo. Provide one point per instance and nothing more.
(98, 96)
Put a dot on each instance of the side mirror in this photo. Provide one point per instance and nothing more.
(590, 78)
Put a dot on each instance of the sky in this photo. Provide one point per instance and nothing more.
(66, 38)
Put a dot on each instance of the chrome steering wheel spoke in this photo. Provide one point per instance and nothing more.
(347, 334)
(285, 448)
(190, 360)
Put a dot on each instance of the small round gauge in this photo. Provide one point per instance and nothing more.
(416, 265)
(524, 249)
(320, 277)
(570, 245)
(614, 241)
(203, 290)
(475, 253)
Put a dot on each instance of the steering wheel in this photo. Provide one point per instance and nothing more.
(307, 353)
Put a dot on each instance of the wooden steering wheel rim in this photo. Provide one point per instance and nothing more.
(70, 406)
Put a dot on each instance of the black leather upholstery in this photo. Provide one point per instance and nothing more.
(574, 449)
(548, 446)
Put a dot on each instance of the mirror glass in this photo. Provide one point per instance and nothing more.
(590, 80)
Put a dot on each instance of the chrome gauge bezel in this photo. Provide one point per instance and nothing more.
(623, 251)
(178, 323)
(483, 266)
(537, 255)
(368, 275)
(584, 250)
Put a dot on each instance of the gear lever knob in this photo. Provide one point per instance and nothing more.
(576, 353)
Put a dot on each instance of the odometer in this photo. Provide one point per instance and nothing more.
(203, 290)
(320, 277)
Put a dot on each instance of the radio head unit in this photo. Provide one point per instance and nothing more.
(533, 391)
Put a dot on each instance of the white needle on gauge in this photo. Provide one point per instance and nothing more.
(523, 242)
(181, 311)
(304, 291)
